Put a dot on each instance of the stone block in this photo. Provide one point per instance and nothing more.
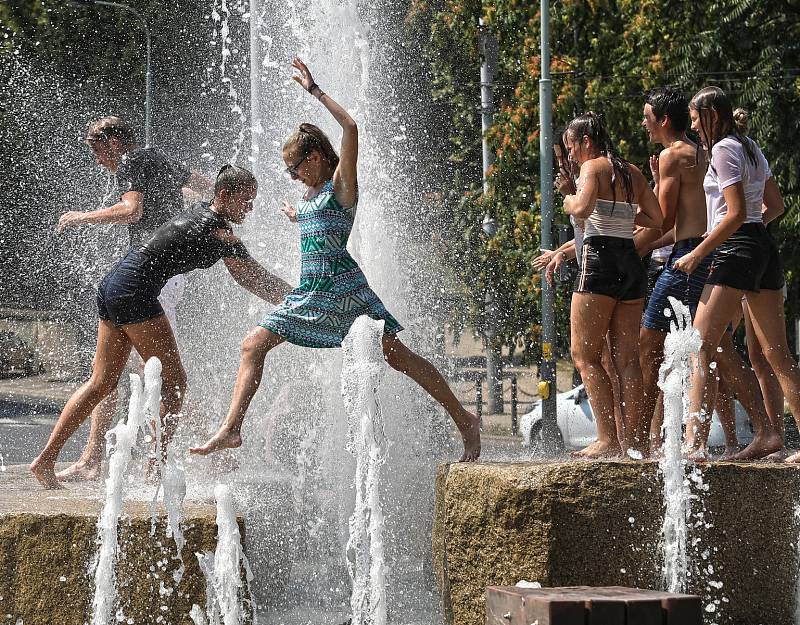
(48, 542)
(598, 524)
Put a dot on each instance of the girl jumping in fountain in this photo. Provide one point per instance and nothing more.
(132, 317)
(333, 291)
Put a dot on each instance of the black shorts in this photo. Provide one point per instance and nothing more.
(611, 266)
(126, 295)
(748, 260)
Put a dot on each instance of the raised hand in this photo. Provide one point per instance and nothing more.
(654, 168)
(564, 183)
(290, 211)
(305, 79)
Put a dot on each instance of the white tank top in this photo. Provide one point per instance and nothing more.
(611, 219)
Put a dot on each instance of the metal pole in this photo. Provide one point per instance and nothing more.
(255, 79)
(550, 432)
(148, 78)
(479, 400)
(514, 422)
(494, 373)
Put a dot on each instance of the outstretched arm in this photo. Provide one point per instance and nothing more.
(127, 211)
(345, 178)
(256, 279)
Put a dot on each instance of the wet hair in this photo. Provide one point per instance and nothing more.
(714, 99)
(111, 127)
(670, 103)
(741, 117)
(308, 138)
(591, 125)
(234, 179)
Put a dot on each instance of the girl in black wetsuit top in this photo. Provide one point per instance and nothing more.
(131, 316)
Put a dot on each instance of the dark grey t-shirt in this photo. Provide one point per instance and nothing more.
(159, 180)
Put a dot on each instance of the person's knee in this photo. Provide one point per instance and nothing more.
(585, 359)
(254, 347)
(102, 384)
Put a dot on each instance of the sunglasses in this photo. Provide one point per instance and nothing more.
(292, 171)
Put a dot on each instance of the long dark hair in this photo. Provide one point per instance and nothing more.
(308, 138)
(714, 99)
(591, 125)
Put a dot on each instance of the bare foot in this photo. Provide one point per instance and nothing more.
(779, 456)
(224, 439)
(81, 471)
(794, 458)
(762, 445)
(599, 450)
(730, 452)
(45, 472)
(698, 454)
(472, 440)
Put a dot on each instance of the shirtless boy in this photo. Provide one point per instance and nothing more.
(678, 173)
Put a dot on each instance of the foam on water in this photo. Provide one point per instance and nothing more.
(681, 344)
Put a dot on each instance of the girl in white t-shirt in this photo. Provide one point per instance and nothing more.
(746, 262)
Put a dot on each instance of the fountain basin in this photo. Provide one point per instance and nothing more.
(598, 524)
(47, 542)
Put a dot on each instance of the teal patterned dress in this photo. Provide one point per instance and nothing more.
(333, 291)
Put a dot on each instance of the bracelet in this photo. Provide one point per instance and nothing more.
(315, 86)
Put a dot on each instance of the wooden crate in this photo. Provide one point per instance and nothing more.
(586, 605)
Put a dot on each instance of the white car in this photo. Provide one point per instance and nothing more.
(576, 422)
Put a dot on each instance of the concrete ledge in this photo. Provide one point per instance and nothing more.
(598, 524)
(47, 542)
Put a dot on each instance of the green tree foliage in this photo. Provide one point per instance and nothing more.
(605, 55)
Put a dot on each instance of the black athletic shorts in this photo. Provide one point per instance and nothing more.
(611, 266)
(127, 294)
(748, 260)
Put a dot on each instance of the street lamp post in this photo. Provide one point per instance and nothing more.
(494, 373)
(550, 432)
(148, 96)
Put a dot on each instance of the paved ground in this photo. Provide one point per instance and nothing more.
(29, 406)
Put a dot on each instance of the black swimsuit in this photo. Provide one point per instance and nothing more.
(129, 293)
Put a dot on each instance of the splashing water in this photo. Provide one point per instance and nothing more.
(172, 479)
(121, 440)
(681, 344)
(226, 594)
(361, 375)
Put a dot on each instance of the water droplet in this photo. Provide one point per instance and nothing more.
(667, 312)
(713, 365)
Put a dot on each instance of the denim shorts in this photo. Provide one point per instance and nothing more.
(128, 294)
(678, 284)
